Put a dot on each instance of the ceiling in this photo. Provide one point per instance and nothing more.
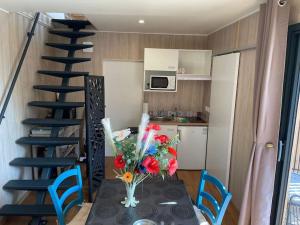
(161, 16)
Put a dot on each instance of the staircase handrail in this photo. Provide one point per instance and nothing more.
(16, 75)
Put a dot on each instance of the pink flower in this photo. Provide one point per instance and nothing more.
(172, 166)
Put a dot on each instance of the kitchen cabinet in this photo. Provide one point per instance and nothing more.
(186, 64)
(160, 59)
(191, 151)
(194, 64)
(169, 130)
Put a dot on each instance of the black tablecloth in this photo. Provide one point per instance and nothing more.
(107, 209)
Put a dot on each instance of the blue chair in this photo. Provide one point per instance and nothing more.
(215, 217)
(58, 202)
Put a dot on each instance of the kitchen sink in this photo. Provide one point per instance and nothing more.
(161, 118)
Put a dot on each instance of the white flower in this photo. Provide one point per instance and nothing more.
(147, 143)
(142, 128)
(121, 135)
(108, 132)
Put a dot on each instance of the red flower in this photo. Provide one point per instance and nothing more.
(172, 166)
(172, 151)
(162, 138)
(151, 165)
(119, 162)
(153, 126)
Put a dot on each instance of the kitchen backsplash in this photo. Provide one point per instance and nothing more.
(191, 96)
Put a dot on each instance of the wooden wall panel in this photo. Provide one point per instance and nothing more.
(242, 132)
(13, 31)
(295, 11)
(240, 37)
(247, 32)
(130, 46)
(224, 40)
(188, 97)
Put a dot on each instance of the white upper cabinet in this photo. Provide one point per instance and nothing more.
(161, 59)
(194, 64)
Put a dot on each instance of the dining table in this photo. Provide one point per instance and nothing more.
(164, 202)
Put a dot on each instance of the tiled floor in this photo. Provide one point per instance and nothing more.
(190, 178)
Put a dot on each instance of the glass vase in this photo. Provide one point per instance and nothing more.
(130, 200)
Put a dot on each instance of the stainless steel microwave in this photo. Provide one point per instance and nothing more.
(167, 83)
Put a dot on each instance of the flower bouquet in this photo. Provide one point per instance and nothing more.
(138, 157)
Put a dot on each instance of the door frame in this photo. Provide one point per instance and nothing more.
(291, 91)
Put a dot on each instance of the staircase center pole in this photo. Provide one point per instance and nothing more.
(51, 151)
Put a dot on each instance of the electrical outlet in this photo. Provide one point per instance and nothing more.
(206, 108)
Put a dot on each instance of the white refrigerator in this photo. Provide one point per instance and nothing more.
(191, 150)
(222, 107)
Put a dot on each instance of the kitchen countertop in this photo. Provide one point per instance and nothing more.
(174, 122)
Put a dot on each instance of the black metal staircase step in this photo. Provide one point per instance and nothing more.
(75, 24)
(27, 210)
(71, 34)
(43, 162)
(63, 74)
(69, 46)
(48, 141)
(56, 105)
(34, 185)
(66, 60)
(52, 122)
(59, 89)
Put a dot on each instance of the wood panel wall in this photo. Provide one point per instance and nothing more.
(240, 37)
(130, 46)
(295, 11)
(13, 31)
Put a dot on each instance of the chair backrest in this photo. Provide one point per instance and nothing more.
(215, 217)
(58, 202)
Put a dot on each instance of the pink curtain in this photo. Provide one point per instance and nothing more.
(270, 62)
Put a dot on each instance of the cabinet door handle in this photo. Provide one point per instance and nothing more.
(179, 135)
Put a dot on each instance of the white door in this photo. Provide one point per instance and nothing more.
(123, 94)
(191, 150)
(222, 105)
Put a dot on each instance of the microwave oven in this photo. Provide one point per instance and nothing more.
(167, 83)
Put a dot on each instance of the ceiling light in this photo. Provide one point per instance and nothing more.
(141, 21)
